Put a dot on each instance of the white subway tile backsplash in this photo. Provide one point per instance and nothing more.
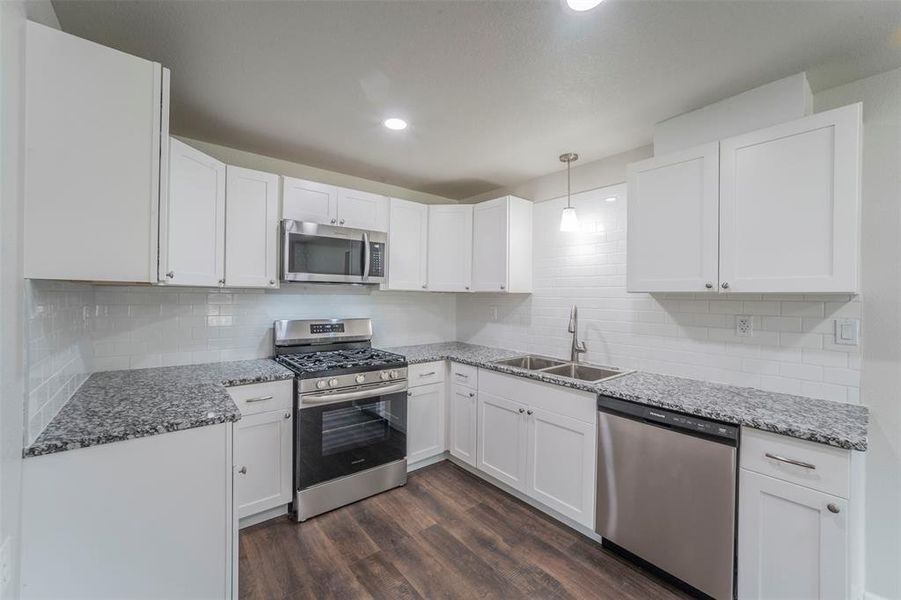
(692, 335)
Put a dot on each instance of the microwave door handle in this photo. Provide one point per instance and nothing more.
(367, 256)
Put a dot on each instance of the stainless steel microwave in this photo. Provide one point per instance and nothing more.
(327, 254)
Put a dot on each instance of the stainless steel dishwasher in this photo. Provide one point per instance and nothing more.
(666, 492)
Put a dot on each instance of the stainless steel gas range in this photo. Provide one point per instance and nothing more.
(350, 437)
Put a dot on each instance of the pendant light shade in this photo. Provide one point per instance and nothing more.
(569, 220)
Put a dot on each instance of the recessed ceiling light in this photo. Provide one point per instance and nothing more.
(395, 124)
(610, 199)
(582, 5)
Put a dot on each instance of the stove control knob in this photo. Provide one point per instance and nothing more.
(332, 382)
(360, 378)
(321, 384)
(384, 375)
(393, 374)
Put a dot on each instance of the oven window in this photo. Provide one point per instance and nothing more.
(334, 440)
(324, 255)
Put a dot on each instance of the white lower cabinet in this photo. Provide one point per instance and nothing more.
(562, 457)
(264, 461)
(425, 422)
(790, 542)
(797, 521)
(503, 436)
(463, 413)
(540, 439)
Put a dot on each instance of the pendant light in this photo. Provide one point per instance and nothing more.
(568, 219)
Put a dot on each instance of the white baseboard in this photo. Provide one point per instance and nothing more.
(272, 513)
(872, 596)
(427, 461)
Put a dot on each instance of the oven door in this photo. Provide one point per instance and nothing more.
(339, 438)
(322, 253)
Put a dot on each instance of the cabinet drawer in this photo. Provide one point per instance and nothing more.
(827, 470)
(425, 373)
(464, 375)
(262, 397)
(555, 399)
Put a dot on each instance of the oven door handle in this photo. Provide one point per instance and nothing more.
(325, 398)
(367, 256)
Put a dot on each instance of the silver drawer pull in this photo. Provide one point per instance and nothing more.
(791, 461)
(429, 374)
(462, 375)
(260, 399)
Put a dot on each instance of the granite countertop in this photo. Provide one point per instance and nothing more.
(833, 423)
(112, 406)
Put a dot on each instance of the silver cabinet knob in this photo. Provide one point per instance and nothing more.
(221, 282)
(341, 222)
(409, 393)
(287, 415)
(725, 286)
(522, 410)
(466, 287)
(170, 274)
(271, 282)
(503, 287)
(472, 394)
(243, 470)
(708, 285)
(833, 508)
(424, 286)
(334, 221)
(528, 412)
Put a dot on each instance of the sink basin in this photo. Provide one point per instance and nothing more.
(531, 362)
(584, 372)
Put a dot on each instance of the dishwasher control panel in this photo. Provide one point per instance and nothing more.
(668, 418)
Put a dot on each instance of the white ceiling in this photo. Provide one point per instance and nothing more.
(493, 90)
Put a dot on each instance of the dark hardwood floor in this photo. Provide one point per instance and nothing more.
(446, 534)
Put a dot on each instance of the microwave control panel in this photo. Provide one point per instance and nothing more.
(377, 266)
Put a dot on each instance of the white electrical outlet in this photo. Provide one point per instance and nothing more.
(744, 325)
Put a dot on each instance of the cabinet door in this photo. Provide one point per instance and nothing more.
(562, 460)
(362, 210)
(408, 245)
(672, 222)
(790, 204)
(192, 220)
(450, 248)
(502, 441)
(95, 122)
(425, 422)
(264, 451)
(490, 245)
(304, 200)
(251, 228)
(463, 424)
(790, 545)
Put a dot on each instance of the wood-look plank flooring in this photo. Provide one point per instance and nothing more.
(446, 534)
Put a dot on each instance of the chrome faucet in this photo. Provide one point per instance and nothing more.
(577, 346)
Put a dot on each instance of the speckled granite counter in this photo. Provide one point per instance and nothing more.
(119, 405)
(833, 423)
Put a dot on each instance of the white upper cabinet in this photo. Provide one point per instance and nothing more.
(408, 245)
(672, 222)
(304, 200)
(790, 205)
(362, 210)
(331, 205)
(502, 245)
(775, 210)
(251, 228)
(192, 220)
(450, 248)
(94, 121)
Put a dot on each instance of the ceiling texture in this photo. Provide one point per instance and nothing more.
(494, 91)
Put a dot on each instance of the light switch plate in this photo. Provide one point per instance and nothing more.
(847, 332)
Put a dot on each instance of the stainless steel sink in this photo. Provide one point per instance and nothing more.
(532, 362)
(583, 372)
